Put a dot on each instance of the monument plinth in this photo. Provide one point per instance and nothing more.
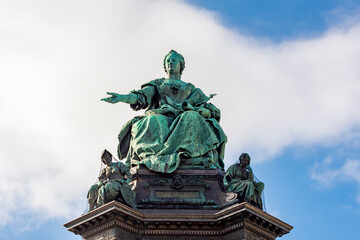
(117, 221)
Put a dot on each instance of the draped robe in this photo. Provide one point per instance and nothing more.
(171, 133)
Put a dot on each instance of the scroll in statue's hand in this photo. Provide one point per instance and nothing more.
(113, 99)
(204, 112)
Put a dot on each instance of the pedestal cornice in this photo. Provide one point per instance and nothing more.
(176, 222)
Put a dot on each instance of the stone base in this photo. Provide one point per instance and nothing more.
(183, 189)
(116, 221)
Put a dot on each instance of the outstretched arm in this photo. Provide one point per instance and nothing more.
(130, 98)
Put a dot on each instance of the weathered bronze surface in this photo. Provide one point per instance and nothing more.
(179, 128)
(239, 178)
(112, 184)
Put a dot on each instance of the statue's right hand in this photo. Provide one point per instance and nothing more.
(204, 112)
(115, 97)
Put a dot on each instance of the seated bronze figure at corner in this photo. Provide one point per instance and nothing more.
(112, 184)
(239, 178)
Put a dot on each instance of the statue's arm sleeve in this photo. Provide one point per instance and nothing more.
(123, 169)
(199, 99)
(144, 97)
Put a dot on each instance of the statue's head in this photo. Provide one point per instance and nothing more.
(106, 157)
(244, 159)
(177, 55)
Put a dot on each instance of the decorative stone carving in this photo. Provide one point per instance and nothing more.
(176, 182)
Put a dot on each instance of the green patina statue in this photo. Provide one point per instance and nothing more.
(239, 178)
(180, 128)
(112, 185)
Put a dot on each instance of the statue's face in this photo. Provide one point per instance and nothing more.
(172, 64)
(244, 161)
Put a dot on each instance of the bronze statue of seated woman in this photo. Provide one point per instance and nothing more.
(179, 128)
(239, 178)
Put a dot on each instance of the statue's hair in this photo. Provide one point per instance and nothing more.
(245, 155)
(181, 59)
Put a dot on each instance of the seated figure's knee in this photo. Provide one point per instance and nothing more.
(260, 186)
(93, 190)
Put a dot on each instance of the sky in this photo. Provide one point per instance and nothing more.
(286, 75)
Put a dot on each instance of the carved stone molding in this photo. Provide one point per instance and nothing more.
(119, 220)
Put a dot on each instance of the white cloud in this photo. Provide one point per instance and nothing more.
(58, 59)
(327, 173)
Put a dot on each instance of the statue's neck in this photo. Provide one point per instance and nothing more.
(174, 76)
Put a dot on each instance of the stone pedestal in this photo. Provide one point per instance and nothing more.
(187, 204)
(115, 221)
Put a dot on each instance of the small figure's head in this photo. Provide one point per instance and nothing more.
(174, 62)
(244, 159)
(106, 157)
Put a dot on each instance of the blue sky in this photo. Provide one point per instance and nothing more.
(288, 84)
(280, 19)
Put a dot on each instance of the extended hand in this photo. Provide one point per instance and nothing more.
(204, 112)
(115, 97)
